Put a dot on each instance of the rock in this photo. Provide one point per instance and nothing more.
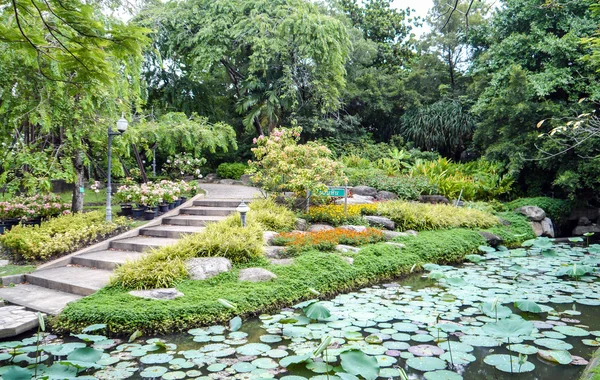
(547, 228)
(385, 196)
(583, 221)
(390, 235)
(227, 181)
(268, 237)
(301, 224)
(281, 261)
(590, 213)
(256, 275)
(157, 294)
(211, 177)
(365, 191)
(354, 228)
(319, 227)
(202, 268)
(411, 232)
(580, 230)
(4, 263)
(538, 230)
(458, 203)
(347, 259)
(356, 200)
(380, 221)
(274, 252)
(434, 199)
(346, 248)
(505, 222)
(240, 183)
(246, 179)
(397, 245)
(534, 213)
(491, 239)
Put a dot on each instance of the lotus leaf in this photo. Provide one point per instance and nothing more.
(553, 344)
(235, 324)
(155, 371)
(509, 328)
(442, 375)
(294, 359)
(561, 357)
(156, 358)
(571, 330)
(528, 306)
(426, 364)
(174, 375)
(355, 362)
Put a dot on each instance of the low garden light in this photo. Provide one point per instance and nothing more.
(122, 125)
(243, 209)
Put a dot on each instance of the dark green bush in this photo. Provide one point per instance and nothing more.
(231, 170)
(557, 209)
(406, 187)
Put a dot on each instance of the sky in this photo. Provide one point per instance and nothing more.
(420, 6)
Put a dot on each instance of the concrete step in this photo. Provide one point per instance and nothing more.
(192, 220)
(141, 243)
(107, 260)
(38, 298)
(70, 279)
(208, 211)
(168, 231)
(232, 203)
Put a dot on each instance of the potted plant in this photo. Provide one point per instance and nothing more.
(124, 196)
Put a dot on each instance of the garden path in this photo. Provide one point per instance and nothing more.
(49, 290)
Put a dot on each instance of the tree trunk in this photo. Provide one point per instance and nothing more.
(258, 127)
(78, 186)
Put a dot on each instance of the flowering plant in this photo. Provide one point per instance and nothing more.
(283, 164)
(326, 240)
(184, 165)
(151, 194)
(35, 206)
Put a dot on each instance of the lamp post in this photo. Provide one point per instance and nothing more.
(121, 128)
(243, 209)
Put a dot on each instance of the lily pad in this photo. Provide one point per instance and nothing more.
(426, 364)
(442, 375)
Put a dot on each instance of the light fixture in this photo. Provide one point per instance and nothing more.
(243, 209)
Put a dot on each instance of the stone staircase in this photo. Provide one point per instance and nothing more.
(49, 290)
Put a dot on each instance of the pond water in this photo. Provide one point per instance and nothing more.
(508, 314)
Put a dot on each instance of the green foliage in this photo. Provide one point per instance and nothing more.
(423, 216)
(556, 209)
(58, 236)
(271, 216)
(232, 170)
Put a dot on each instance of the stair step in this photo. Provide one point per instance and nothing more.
(169, 231)
(141, 243)
(192, 220)
(71, 279)
(233, 203)
(107, 260)
(37, 298)
(208, 211)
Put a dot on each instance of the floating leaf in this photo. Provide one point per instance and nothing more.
(87, 354)
(235, 324)
(509, 328)
(560, 357)
(317, 311)
(152, 372)
(355, 362)
(571, 330)
(426, 364)
(96, 327)
(442, 375)
(294, 359)
(528, 306)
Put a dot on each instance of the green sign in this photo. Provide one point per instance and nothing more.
(336, 192)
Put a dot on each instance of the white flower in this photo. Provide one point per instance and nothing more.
(168, 161)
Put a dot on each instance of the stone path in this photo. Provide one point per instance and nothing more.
(49, 290)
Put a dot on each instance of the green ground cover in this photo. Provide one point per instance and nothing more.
(11, 269)
(325, 272)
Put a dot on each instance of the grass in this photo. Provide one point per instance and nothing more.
(9, 270)
(326, 272)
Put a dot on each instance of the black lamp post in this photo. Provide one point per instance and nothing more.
(121, 128)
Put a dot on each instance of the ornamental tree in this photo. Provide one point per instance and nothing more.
(284, 165)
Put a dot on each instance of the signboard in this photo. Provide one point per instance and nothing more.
(336, 191)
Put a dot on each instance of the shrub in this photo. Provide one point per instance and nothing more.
(556, 209)
(231, 170)
(422, 216)
(327, 240)
(406, 187)
(271, 216)
(58, 236)
(334, 214)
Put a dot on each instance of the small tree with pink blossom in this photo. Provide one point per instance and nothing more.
(282, 164)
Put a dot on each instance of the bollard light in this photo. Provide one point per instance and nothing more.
(243, 209)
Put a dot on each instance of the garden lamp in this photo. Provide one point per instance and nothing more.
(243, 209)
(122, 124)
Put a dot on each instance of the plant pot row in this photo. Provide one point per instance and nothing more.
(8, 224)
(149, 213)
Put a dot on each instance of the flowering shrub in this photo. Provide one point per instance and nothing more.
(326, 240)
(96, 187)
(59, 236)
(31, 207)
(282, 164)
(151, 194)
(334, 214)
(183, 165)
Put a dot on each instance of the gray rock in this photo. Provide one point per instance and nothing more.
(390, 235)
(354, 228)
(227, 181)
(365, 190)
(538, 230)
(256, 275)
(281, 261)
(201, 268)
(491, 239)
(380, 221)
(237, 183)
(397, 245)
(356, 200)
(434, 199)
(211, 177)
(274, 252)
(411, 232)
(301, 224)
(347, 259)
(583, 221)
(4, 263)
(319, 227)
(157, 294)
(246, 179)
(386, 196)
(268, 237)
(547, 228)
(458, 203)
(534, 213)
(346, 248)
(580, 230)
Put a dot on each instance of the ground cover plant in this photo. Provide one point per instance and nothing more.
(556, 209)
(327, 240)
(337, 215)
(58, 236)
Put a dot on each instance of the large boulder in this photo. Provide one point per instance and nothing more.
(356, 200)
(301, 224)
(386, 196)
(533, 213)
(246, 179)
(547, 228)
(390, 235)
(380, 221)
(346, 248)
(201, 268)
(157, 294)
(319, 227)
(434, 199)
(268, 237)
(492, 239)
(580, 230)
(274, 252)
(256, 275)
(354, 228)
(365, 191)
(538, 230)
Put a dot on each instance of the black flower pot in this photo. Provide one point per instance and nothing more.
(177, 202)
(137, 212)
(126, 209)
(163, 208)
(171, 205)
(149, 214)
(11, 222)
(183, 199)
(3, 227)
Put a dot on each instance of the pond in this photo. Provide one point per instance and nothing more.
(527, 314)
